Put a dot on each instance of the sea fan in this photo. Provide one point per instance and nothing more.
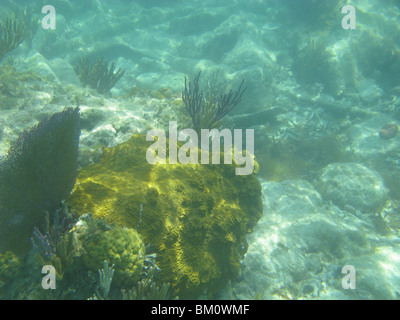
(38, 172)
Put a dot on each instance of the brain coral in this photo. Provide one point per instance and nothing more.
(122, 247)
(195, 216)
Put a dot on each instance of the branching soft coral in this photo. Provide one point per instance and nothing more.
(207, 109)
(96, 74)
(14, 30)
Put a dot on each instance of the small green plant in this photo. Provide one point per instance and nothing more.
(96, 74)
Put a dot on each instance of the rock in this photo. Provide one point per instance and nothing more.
(353, 185)
(196, 23)
(388, 131)
(146, 80)
(369, 92)
(298, 250)
(64, 71)
(366, 142)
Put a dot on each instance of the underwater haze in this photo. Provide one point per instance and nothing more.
(204, 149)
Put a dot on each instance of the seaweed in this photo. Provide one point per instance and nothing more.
(207, 109)
(96, 74)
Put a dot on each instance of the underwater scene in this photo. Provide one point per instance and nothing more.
(199, 150)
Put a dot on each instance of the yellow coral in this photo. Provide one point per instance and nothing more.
(195, 216)
(122, 247)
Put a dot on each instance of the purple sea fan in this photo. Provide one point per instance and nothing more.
(38, 172)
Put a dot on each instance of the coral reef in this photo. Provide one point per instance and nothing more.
(37, 173)
(96, 74)
(11, 272)
(207, 109)
(10, 266)
(195, 216)
(147, 289)
(121, 247)
(55, 248)
(105, 279)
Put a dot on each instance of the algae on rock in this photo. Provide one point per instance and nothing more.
(14, 86)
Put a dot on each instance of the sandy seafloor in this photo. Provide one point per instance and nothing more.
(298, 248)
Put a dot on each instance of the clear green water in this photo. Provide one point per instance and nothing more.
(315, 83)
